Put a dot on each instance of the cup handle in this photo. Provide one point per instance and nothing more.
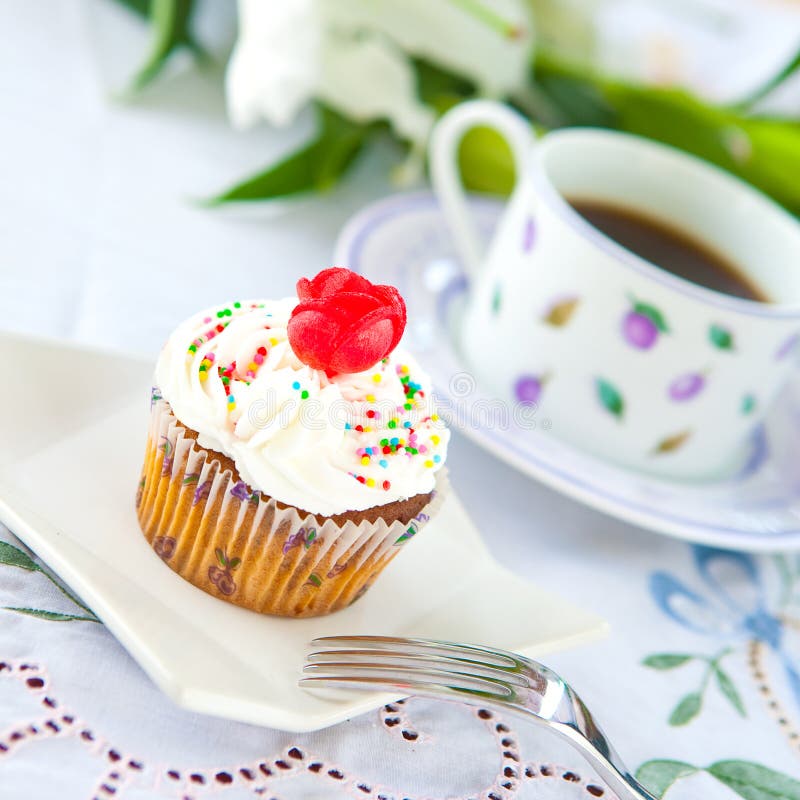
(443, 158)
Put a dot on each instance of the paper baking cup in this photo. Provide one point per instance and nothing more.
(244, 547)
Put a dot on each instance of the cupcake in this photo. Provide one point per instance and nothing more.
(293, 448)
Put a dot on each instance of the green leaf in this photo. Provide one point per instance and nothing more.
(223, 562)
(764, 152)
(14, 557)
(727, 688)
(315, 167)
(52, 616)
(314, 579)
(170, 26)
(791, 67)
(687, 709)
(720, 337)
(485, 161)
(653, 314)
(438, 88)
(610, 398)
(666, 660)
(755, 782)
(234, 562)
(575, 101)
(659, 775)
(141, 7)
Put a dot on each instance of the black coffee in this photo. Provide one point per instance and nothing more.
(669, 248)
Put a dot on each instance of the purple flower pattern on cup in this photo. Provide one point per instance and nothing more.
(528, 235)
(528, 389)
(788, 346)
(687, 386)
(642, 325)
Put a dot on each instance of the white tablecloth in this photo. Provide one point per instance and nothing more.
(99, 243)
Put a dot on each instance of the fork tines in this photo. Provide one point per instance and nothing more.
(415, 666)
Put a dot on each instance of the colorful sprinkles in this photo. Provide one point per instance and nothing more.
(382, 433)
(217, 324)
(406, 441)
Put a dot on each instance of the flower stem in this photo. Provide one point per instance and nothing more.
(71, 596)
(712, 662)
(490, 18)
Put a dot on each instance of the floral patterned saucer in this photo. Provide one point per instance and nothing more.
(404, 241)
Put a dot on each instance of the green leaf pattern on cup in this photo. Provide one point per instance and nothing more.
(610, 397)
(497, 300)
(720, 337)
(749, 404)
(653, 314)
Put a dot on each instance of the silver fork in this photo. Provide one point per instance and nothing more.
(476, 675)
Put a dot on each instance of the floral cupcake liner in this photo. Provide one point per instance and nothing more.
(244, 547)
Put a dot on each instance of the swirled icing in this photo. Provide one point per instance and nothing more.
(323, 444)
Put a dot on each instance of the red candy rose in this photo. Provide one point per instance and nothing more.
(344, 323)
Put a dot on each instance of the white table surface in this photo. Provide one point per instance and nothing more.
(99, 243)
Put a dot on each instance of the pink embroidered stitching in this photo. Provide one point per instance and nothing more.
(122, 770)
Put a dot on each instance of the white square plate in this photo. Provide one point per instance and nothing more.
(72, 434)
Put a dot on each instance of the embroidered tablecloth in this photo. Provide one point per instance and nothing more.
(698, 684)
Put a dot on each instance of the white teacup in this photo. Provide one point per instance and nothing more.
(626, 360)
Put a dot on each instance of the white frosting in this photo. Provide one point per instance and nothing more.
(291, 430)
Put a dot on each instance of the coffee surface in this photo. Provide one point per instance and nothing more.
(669, 248)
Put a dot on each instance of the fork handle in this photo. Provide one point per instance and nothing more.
(597, 750)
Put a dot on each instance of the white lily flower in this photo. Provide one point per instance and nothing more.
(273, 71)
(489, 42)
(355, 55)
(368, 78)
